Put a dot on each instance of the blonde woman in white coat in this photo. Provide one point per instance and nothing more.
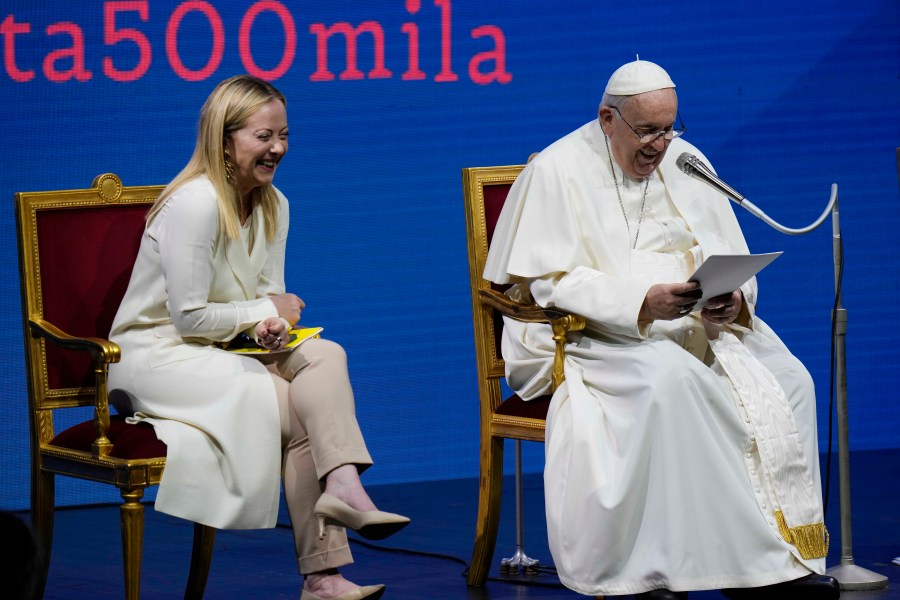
(210, 267)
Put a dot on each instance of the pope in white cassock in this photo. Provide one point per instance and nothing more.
(681, 450)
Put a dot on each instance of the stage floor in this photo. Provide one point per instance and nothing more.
(425, 561)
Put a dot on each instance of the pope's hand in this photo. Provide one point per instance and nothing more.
(723, 309)
(669, 301)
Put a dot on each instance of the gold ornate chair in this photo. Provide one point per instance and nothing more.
(485, 190)
(76, 252)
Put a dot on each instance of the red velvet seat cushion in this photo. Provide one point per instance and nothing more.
(514, 406)
(129, 441)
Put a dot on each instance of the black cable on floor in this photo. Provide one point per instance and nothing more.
(448, 557)
(465, 571)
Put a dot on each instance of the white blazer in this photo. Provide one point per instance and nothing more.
(217, 412)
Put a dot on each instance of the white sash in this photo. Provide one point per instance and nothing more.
(764, 405)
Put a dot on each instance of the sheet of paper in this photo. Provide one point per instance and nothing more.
(723, 273)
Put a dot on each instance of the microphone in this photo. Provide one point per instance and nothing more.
(694, 167)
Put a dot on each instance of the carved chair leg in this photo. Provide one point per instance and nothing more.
(43, 492)
(201, 557)
(132, 516)
(488, 521)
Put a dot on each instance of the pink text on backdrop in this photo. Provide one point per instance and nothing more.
(67, 62)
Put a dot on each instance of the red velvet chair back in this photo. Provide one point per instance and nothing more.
(494, 199)
(76, 252)
(485, 190)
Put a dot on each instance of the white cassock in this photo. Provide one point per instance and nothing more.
(672, 460)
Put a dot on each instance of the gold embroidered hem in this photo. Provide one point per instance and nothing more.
(810, 540)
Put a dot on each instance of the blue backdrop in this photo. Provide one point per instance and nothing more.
(388, 100)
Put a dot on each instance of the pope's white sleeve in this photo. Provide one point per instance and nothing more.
(609, 302)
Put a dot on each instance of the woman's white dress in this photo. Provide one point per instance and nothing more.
(216, 411)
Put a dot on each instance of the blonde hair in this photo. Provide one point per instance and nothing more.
(225, 111)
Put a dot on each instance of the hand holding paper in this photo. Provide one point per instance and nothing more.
(723, 273)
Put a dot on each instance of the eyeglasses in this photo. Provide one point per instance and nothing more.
(669, 133)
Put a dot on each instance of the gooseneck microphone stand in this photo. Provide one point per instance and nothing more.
(849, 575)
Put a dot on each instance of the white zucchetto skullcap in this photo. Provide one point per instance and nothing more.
(638, 77)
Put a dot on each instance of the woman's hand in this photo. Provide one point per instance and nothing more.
(272, 334)
(723, 309)
(288, 307)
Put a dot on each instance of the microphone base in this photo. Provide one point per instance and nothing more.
(853, 577)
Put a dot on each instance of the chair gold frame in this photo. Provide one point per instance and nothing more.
(484, 190)
(81, 381)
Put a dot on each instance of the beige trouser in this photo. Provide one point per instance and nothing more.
(319, 433)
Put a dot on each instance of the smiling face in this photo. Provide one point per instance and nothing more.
(646, 113)
(256, 148)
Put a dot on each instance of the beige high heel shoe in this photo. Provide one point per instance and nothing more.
(373, 524)
(369, 592)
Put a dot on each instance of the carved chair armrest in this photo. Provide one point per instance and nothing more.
(560, 321)
(103, 352)
(528, 313)
(100, 349)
